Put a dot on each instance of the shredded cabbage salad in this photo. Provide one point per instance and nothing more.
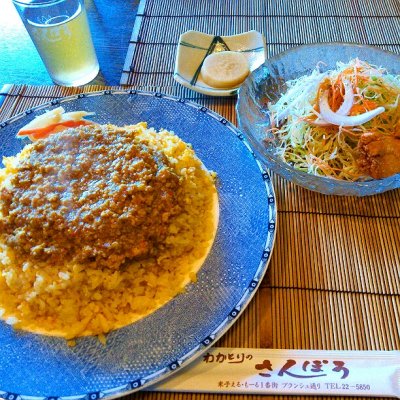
(320, 119)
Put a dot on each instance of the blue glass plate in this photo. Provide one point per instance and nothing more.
(153, 348)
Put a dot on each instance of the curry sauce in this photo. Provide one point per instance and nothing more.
(96, 195)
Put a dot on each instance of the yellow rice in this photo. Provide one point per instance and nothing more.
(74, 300)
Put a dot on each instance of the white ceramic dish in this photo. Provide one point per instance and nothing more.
(195, 46)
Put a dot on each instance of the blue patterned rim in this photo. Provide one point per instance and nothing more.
(264, 199)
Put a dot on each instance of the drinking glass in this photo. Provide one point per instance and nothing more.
(60, 31)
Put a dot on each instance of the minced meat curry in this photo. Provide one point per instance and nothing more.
(100, 227)
(95, 196)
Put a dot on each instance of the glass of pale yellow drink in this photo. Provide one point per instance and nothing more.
(60, 31)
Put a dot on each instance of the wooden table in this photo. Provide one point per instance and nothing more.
(20, 62)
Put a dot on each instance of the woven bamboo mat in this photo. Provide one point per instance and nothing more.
(285, 23)
(333, 281)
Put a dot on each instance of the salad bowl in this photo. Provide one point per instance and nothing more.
(267, 83)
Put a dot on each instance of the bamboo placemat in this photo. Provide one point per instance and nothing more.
(334, 277)
(285, 23)
(333, 281)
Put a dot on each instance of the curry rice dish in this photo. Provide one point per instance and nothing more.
(99, 227)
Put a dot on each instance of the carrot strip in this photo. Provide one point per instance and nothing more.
(365, 105)
(40, 133)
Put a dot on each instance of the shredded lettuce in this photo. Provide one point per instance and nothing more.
(326, 149)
